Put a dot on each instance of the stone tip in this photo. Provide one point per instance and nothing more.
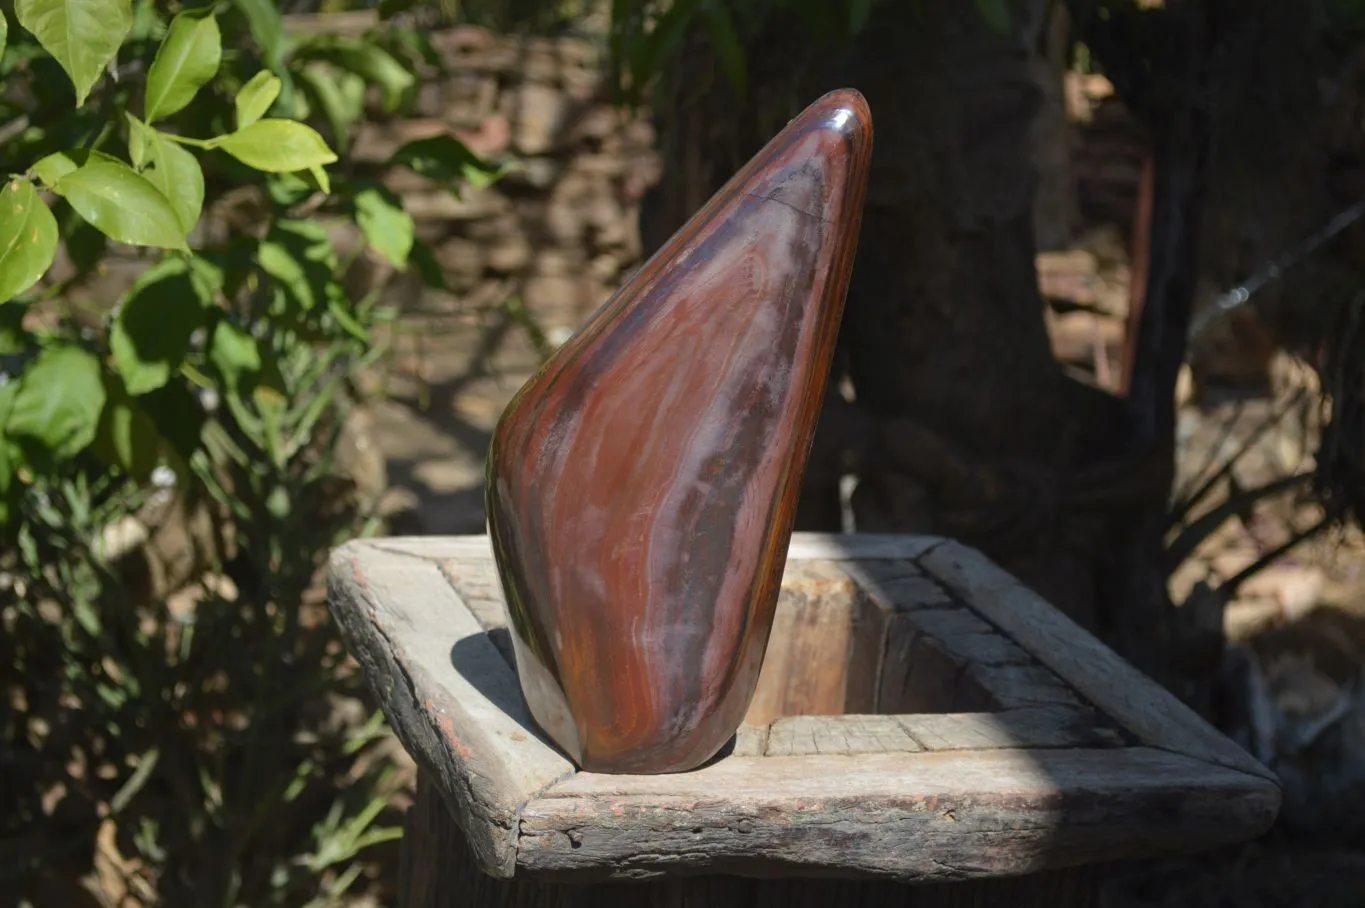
(845, 111)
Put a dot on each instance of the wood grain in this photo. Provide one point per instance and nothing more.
(897, 584)
(643, 484)
(1012, 686)
(824, 651)
(858, 546)
(439, 871)
(1152, 714)
(798, 736)
(1028, 727)
(908, 816)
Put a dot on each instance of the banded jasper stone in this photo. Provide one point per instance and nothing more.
(642, 486)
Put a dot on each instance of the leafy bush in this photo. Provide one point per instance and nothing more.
(184, 726)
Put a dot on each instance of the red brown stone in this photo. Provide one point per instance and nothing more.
(642, 486)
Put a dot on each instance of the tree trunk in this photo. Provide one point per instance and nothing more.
(961, 423)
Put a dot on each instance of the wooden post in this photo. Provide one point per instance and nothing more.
(926, 732)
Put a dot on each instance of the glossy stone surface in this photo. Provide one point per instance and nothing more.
(642, 486)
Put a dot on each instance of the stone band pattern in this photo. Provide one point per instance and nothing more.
(642, 486)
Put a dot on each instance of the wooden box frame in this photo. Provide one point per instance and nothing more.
(990, 736)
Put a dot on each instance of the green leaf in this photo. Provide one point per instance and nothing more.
(446, 159)
(267, 27)
(337, 305)
(339, 95)
(188, 58)
(148, 22)
(126, 436)
(728, 48)
(173, 170)
(301, 258)
(320, 177)
(997, 15)
(236, 356)
(83, 36)
(123, 205)
(58, 404)
(277, 146)
(4, 33)
(58, 164)
(152, 333)
(139, 137)
(28, 238)
(387, 227)
(369, 61)
(428, 269)
(256, 96)
(288, 189)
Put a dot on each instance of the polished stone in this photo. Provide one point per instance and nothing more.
(642, 486)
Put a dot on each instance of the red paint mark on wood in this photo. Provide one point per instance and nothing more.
(447, 726)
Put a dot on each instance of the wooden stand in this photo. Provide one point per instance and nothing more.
(926, 731)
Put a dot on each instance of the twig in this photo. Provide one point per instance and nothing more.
(1273, 271)
(1182, 509)
(1184, 544)
(1242, 576)
(13, 128)
(1212, 454)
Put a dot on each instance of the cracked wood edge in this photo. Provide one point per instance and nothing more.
(804, 546)
(914, 817)
(484, 755)
(1146, 709)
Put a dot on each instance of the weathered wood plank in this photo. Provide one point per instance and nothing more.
(750, 741)
(447, 692)
(898, 584)
(920, 675)
(857, 546)
(1151, 713)
(948, 622)
(476, 582)
(1032, 727)
(824, 650)
(834, 735)
(1015, 686)
(439, 872)
(438, 548)
(993, 649)
(896, 692)
(907, 816)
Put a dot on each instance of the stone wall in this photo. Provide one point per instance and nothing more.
(558, 233)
